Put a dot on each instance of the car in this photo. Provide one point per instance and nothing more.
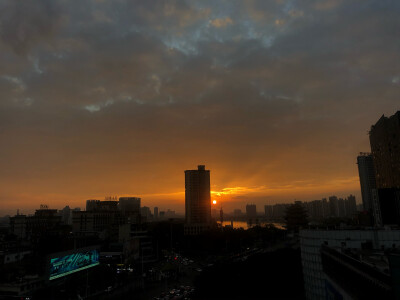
(108, 289)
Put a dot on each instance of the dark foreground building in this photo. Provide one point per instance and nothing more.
(350, 264)
(385, 146)
(357, 273)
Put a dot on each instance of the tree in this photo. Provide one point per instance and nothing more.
(296, 217)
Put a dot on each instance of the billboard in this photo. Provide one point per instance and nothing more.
(73, 262)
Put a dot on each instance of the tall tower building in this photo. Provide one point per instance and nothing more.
(384, 138)
(366, 173)
(197, 200)
(251, 211)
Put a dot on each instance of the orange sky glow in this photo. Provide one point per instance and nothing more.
(118, 98)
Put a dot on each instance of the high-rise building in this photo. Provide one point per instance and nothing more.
(170, 214)
(341, 208)
(251, 211)
(314, 209)
(92, 204)
(366, 172)
(107, 216)
(129, 204)
(45, 221)
(384, 138)
(197, 200)
(386, 206)
(279, 211)
(333, 206)
(268, 209)
(110, 204)
(325, 208)
(351, 206)
(237, 213)
(155, 212)
(145, 212)
(66, 215)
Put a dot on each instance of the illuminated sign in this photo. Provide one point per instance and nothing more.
(74, 262)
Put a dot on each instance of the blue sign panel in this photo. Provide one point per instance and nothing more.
(64, 265)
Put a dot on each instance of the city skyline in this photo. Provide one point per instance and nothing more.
(180, 212)
(117, 99)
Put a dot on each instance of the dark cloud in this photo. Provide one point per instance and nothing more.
(24, 24)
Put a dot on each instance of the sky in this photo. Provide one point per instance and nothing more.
(115, 98)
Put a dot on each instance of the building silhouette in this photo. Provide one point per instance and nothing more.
(155, 212)
(268, 210)
(145, 212)
(251, 211)
(129, 204)
(318, 210)
(366, 172)
(384, 138)
(197, 200)
(333, 206)
(105, 217)
(92, 204)
(386, 206)
(45, 221)
(351, 206)
(341, 208)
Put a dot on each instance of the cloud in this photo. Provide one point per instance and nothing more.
(24, 24)
(24, 102)
(97, 107)
(279, 22)
(20, 85)
(221, 22)
(327, 4)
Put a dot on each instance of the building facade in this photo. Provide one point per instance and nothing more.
(197, 200)
(384, 138)
(156, 213)
(268, 211)
(45, 221)
(129, 204)
(366, 173)
(251, 211)
(105, 217)
(316, 281)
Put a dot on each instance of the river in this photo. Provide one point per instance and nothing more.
(247, 225)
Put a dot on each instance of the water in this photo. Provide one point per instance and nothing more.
(246, 225)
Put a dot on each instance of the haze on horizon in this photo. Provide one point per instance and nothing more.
(103, 98)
